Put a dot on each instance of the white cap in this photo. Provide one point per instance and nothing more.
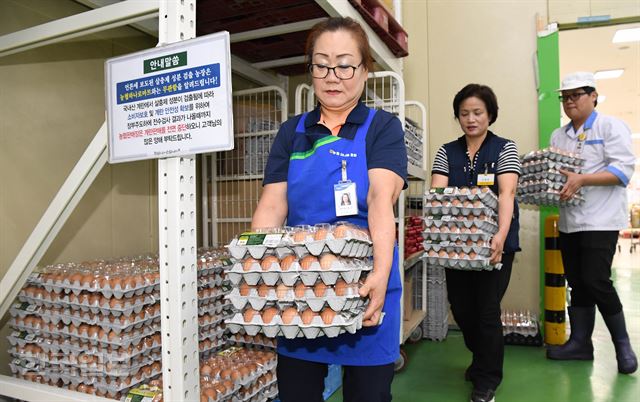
(578, 79)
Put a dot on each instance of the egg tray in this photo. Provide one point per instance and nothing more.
(23, 309)
(212, 294)
(451, 210)
(104, 308)
(216, 345)
(103, 323)
(218, 306)
(554, 154)
(252, 377)
(349, 269)
(478, 264)
(551, 175)
(253, 344)
(483, 251)
(106, 291)
(346, 247)
(485, 225)
(549, 199)
(348, 302)
(535, 186)
(211, 334)
(97, 350)
(480, 235)
(267, 391)
(342, 323)
(487, 197)
(211, 281)
(545, 165)
(213, 267)
(214, 322)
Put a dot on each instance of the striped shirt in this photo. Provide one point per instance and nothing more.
(508, 161)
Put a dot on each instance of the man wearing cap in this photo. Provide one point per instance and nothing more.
(589, 231)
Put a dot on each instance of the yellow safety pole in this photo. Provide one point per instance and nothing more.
(554, 285)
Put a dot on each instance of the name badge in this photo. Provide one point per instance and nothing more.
(486, 179)
(346, 198)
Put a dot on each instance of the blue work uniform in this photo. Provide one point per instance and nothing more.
(314, 166)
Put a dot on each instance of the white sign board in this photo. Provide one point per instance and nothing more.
(170, 101)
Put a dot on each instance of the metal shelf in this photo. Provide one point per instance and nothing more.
(411, 260)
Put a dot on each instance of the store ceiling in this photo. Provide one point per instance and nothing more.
(592, 50)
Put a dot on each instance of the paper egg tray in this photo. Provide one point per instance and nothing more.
(341, 323)
(455, 225)
(474, 237)
(488, 198)
(207, 295)
(258, 341)
(102, 322)
(550, 175)
(211, 280)
(349, 270)
(106, 291)
(346, 247)
(483, 251)
(478, 264)
(451, 210)
(348, 302)
(554, 155)
(539, 185)
(23, 309)
(266, 392)
(207, 348)
(549, 198)
(545, 165)
(219, 306)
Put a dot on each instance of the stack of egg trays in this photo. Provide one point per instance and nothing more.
(349, 306)
(541, 181)
(213, 308)
(263, 392)
(460, 220)
(341, 239)
(436, 324)
(258, 341)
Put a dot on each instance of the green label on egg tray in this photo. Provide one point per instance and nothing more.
(260, 239)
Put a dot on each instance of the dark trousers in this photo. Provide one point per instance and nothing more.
(303, 381)
(475, 302)
(587, 258)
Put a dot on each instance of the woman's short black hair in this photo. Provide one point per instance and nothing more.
(482, 92)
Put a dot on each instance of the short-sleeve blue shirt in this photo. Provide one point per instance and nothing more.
(385, 146)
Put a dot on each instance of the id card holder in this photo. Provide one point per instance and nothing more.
(346, 199)
(344, 195)
(486, 179)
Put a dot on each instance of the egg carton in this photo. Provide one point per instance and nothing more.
(302, 298)
(550, 198)
(551, 175)
(263, 393)
(534, 186)
(127, 307)
(107, 291)
(477, 264)
(204, 324)
(456, 210)
(211, 334)
(251, 378)
(92, 369)
(215, 345)
(212, 294)
(102, 322)
(218, 306)
(66, 347)
(474, 237)
(253, 341)
(461, 194)
(210, 281)
(483, 251)
(23, 366)
(349, 269)
(113, 390)
(23, 309)
(296, 328)
(22, 338)
(554, 154)
(485, 225)
(545, 165)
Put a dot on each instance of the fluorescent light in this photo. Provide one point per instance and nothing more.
(626, 35)
(602, 98)
(607, 74)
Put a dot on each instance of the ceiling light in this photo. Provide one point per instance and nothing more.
(626, 35)
(602, 98)
(607, 74)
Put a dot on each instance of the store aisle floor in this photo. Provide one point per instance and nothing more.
(435, 370)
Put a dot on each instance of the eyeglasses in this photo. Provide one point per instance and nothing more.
(341, 72)
(574, 96)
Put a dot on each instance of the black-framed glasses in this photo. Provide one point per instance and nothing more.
(343, 72)
(574, 96)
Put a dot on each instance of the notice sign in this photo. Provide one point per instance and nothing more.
(170, 101)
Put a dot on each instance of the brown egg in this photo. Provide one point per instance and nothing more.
(115, 282)
(300, 237)
(289, 314)
(282, 291)
(94, 299)
(93, 331)
(128, 283)
(326, 260)
(210, 393)
(88, 280)
(442, 253)
(340, 287)
(432, 253)
(299, 290)
(263, 290)
(307, 261)
(307, 316)
(319, 289)
(453, 254)
(116, 303)
(320, 234)
(226, 374)
(327, 315)
(75, 279)
(285, 263)
(340, 231)
(248, 263)
(473, 255)
(268, 261)
(248, 314)
(268, 314)
(244, 289)
(473, 229)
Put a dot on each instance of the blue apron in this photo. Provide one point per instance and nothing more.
(311, 177)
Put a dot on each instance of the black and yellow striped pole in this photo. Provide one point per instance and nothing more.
(554, 285)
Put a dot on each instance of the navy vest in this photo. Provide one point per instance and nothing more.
(487, 162)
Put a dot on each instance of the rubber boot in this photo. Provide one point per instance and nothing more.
(579, 346)
(627, 361)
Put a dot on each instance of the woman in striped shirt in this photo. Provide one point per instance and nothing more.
(480, 157)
